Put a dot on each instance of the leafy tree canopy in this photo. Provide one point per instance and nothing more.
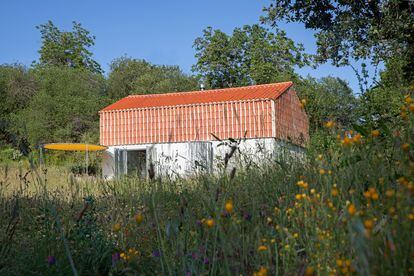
(65, 108)
(251, 55)
(17, 87)
(62, 48)
(329, 98)
(376, 29)
(135, 76)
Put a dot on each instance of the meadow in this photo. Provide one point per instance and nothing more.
(346, 209)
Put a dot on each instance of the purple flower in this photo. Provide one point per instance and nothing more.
(206, 261)
(156, 253)
(194, 255)
(51, 260)
(116, 257)
(247, 216)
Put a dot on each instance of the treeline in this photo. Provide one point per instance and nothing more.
(58, 97)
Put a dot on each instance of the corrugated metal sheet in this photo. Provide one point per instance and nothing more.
(264, 91)
(250, 119)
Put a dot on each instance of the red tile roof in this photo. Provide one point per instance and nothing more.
(264, 91)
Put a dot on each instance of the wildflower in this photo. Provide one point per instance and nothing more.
(116, 227)
(357, 138)
(405, 147)
(411, 216)
(210, 223)
(322, 171)
(320, 156)
(408, 99)
(368, 224)
(310, 271)
(375, 133)
(229, 206)
(339, 262)
(351, 209)
(261, 272)
(156, 253)
(389, 193)
(262, 248)
(295, 235)
(312, 191)
(302, 184)
(51, 260)
(329, 124)
(298, 197)
(272, 241)
(411, 107)
(346, 141)
(334, 192)
(139, 218)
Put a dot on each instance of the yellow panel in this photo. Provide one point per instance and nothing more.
(74, 147)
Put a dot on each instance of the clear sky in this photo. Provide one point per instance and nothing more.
(161, 32)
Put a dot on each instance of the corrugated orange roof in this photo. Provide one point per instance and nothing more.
(263, 91)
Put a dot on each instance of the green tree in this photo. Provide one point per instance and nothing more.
(62, 48)
(17, 87)
(330, 99)
(65, 108)
(379, 30)
(251, 55)
(133, 76)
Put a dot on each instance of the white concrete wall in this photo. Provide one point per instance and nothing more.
(172, 159)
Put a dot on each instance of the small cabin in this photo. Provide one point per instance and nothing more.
(182, 133)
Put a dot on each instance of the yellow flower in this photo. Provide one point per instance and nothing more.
(329, 124)
(375, 133)
(351, 209)
(116, 227)
(298, 197)
(210, 223)
(139, 218)
(229, 206)
(408, 99)
(262, 248)
(312, 191)
(411, 216)
(322, 171)
(346, 141)
(405, 147)
(262, 272)
(334, 192)
(310, 271)
(339, 262)
(368, 224)
(411, 107)
(357, 138)
(295, 235)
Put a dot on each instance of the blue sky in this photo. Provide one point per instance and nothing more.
(161, 32)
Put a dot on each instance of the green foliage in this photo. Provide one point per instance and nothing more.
(251, 55)
(132, 76)
(328, 99)
(65, 107)
(62, 48)
(377, 30)
(17, 87)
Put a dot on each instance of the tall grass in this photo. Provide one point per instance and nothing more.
(346, 210)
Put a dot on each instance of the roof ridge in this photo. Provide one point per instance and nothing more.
(209, 90)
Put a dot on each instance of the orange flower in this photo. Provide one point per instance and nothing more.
(139, 218)
(368, 224)
(210, 223)
(229, 206)
(262, 248)
(262, 272)
(375, 133)
(405, 147)
(352, 210)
